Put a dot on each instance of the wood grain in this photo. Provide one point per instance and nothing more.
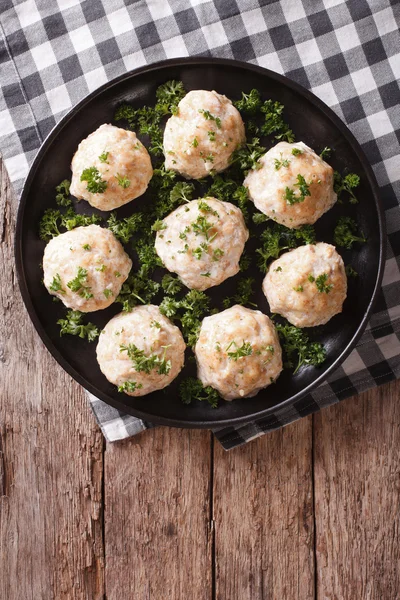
(263, 512)
(50, 458)
(357, 497)
(158, 536)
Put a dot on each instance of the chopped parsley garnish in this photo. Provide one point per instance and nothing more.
(70, 219)
(107, 292)
(181, 192)
(129, 386)
(192, 389)
(78, 284)
(87, 247)
(124, 229)
(246, 157)
(346, 184)
(137, 290)
(298, 348)
(203, 206)
(195, 143)
(245, 349)
(155, 324)
(296, 151)
(56, 284)
(217, 254)
(103, 157)
(72, 325)
(202, 227)
(124, 182)
(189, 311)
(95, 184)
(326, 152)
(211, 136)
(147, 363)
(299, 288)
(62, 197)
(207, 115)
(346, 233)
(283, 162)
(49, 224)
(320, 282)
(303, 187)
(259, 218)
(101, 268)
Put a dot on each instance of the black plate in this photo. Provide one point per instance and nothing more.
(313, 122)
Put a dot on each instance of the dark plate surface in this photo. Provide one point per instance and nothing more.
(312, 122)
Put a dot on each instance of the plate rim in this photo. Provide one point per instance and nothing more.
(205, 61)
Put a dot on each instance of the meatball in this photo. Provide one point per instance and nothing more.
(110, 168)
(202, 242)
(307, 285)
(140, 351)
(85, 268)
(292, 185)
(203, 134)
(238, 352)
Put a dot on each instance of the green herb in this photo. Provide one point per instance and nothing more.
(56, 284)
(346, 233)
(124, 229)
(181, 192)
(278, 269)
(70, 219)
(78, 284)
(276, 238)
(72, 325)
(208, 274)
(103, 157)
(148, 258)
(274, 122)
(124, 182)
(137, 290)
(147, 363)
(171, 284)
(321, 284)
(243, 293)
(259, 218)
(95, 184)
(62, 197)
(281, 163)
(155, 324)
(203, 206)
(107, 292)
(246, 156)
(49, 224)
(250, 103)
(207, 115)
(245, 349)
(86, 247)
(202, 227)
(192, 389)
(346, 184)
(299, 288)
(304, 190)
(209, 158)
(158, 225)
(101, 268)
(189, 311)
(211, 136)
(169, 95)
(296, 151)
(326, 152)
(195, 143)
(298, 348)
(350, 272)
(217, 254)
(129, 386)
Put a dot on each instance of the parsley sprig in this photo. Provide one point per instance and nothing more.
(146, 363)
(73, 325)
(346, 233)
(298, 349)
(192, 389)
(95, 183)
(78, 284)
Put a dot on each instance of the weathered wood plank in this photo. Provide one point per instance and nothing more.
(157, 516)
(50, 458)
(357, 497)
(263, 512)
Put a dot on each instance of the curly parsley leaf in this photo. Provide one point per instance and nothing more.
(325, 153)
(171, 285)
(192, 389)
(346, 233)
(70, 219)
(129, 386)
(73, 325)
(95, 184)
(62, 197)
(276, 238)
(321, 282)
(146, 363)
(189, 311)
(49, 224)
(56, 284)
(298, 348)
(123, 229)
(274, 122)
(250, 103)
(137, 290)
(292, 197)
(346, 184)
(78, 286)
(245, 349)
(243, 293)
(246, 157)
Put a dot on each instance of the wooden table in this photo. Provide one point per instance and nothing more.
(307, 512)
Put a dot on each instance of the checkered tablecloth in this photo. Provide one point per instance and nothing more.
(54, 52)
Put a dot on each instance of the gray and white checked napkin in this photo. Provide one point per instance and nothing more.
(53, 53)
